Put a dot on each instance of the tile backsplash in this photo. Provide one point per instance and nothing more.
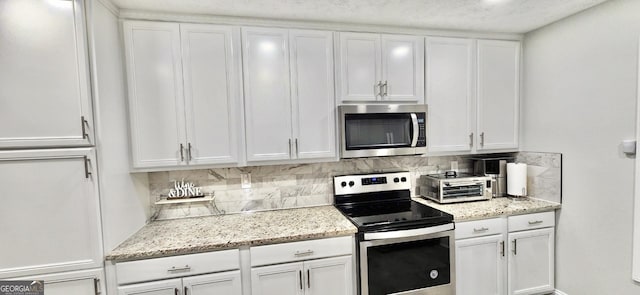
(281, 186)
(544, 175)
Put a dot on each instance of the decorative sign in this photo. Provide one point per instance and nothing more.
(21, 287)
(183, 189)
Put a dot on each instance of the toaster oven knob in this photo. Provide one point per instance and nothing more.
(404, 179)
(396, 179)
(351, 183)
(343, 184)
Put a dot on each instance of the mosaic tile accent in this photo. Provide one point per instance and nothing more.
(544, 175)
(282, 186)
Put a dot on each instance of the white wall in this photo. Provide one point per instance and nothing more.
(580, 80)
(124, 197)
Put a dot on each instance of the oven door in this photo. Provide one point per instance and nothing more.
(382, 130)
(408, 262)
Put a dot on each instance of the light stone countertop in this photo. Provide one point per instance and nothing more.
(211, 233)
(495, 207)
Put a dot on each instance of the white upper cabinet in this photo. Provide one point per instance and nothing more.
(380, 68)
(498, 94)
(184, 103)
(288, 87)
(450, 94)
(49, 195)
(45, 98)
(267, 97)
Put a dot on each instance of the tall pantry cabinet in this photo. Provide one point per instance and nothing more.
(50, 217)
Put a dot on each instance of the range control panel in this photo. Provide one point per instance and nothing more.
(366, 183)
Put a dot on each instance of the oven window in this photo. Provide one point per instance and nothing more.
(408, 266)
(372, 131)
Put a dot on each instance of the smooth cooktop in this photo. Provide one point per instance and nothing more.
(381, 216)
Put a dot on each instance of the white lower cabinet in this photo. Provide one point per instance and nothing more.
(83, 282)
(513, 255)
(225, 283)
(322, 276)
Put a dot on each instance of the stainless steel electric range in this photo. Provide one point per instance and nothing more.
(403, 247)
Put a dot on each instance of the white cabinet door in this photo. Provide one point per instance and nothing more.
(531, 261)
(44, 77)
(71, 287)
(165, 287)
(210, 67)
(498, 94)
(312, 94)
(280, 279)
(450, 94)
(267, 98)
(226, 283)
(360, 67)
(329, 276)
(481, 266)
(49, 195)
(402, 68)
(156, 102)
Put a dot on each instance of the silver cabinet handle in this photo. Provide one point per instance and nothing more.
(289, 147)
(502, 248)
(189, 157)
(471, 139)
(176, 291)
(175, 269)
(185, 290)
(386, 87)
(96, 283)
(515, 247)
(300, 277)
(181, 153)
(482, 229)
(535, 222)
(482, 139)
(377, 88)
(296, 141)
(84, 123)
(308, 279)
(87, 170)
(304, 253)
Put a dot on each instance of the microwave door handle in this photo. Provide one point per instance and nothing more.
(416, 131)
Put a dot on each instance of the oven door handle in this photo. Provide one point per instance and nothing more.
(416, 131)
(408, 233)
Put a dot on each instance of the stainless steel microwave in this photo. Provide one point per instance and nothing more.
(382, 130)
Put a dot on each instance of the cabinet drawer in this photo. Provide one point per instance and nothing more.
(531, 221)
(304, 250)
(177, 266)
(479, 228)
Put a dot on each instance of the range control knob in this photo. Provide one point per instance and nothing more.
(403, 179)
(343, 184)
(351, 183)
(396, 179)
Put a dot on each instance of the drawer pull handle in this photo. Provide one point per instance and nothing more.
(176, 269)
(482, 229)
(305, 253)
(535, 222)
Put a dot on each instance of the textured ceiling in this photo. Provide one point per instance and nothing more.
(508, 16)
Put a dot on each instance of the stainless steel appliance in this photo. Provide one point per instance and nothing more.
(403, 247)
(382, 130)
(451, 187)
(496, 168)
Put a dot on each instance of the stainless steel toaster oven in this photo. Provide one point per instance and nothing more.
(453, 187)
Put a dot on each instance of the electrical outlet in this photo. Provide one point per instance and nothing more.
(454, 166)
(245, 180)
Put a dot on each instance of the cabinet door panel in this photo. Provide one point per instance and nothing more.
(211, 96)
(44, 77)
(313, 94)
(531, 261)
(227, 283)
(329, 276)
(403, 68)
(360, 67)
(48, 196)
(267, 97)
(449, 63)
(156, 103)
(71, 287)
(165, 287)
(480, 266)
(281, 279)
(498, 94)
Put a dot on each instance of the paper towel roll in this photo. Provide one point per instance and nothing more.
(517, 179)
